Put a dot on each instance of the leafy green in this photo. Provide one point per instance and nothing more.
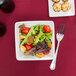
(41, 28)
(48, 35)
(37, 38)
(32, 54)
(42, 38)
(47, 40)
(36, 30)
(23, 34)
(26, 51)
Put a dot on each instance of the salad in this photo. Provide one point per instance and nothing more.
(35, 41)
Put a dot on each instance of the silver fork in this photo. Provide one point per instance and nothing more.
(59, 36)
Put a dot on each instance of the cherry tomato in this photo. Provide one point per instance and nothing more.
(25, 31)
(28, 47)
(37, 34)
(47, 29)
(47, 52)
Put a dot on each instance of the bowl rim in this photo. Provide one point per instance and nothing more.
(16, 24)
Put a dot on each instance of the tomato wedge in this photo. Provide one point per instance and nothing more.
(25, 31)
(47, 29)
(47, 52)
(28, 47)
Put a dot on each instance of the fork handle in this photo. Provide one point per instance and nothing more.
(53, 63)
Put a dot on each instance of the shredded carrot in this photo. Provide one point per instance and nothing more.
(49, 45)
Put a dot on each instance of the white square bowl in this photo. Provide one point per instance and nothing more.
(52, 13)
(19, 55)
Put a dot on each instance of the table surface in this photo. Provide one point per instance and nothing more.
(30, 10)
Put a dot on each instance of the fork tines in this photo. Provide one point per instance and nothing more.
(61, 29)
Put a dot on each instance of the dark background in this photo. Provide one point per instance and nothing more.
(30, 10)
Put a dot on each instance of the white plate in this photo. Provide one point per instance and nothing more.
(52, 13)
(19, 55)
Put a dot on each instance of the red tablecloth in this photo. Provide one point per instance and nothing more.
(27, 10)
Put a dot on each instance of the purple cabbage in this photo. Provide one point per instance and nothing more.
(40, 47)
